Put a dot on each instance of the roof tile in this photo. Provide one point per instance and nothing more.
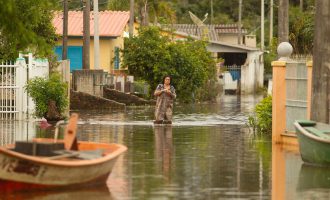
(111, 23)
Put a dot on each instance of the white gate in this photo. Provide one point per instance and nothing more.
(14, 101)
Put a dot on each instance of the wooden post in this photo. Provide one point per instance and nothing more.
(278, 101)
(65, 30)
(96, 36)
(309, 88)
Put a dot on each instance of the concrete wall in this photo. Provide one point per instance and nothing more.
(252, 73)
(250, 40)
(121, 97)
(84, 101)
(229, 38)
(88, 81)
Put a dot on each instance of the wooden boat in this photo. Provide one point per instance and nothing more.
(314, 141)
(78, 163)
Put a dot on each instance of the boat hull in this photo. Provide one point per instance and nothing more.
(22, 168)
(313, 149)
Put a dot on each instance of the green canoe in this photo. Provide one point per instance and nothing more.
(314, 141)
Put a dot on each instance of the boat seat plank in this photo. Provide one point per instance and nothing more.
(317, 132)
(84, 155)
(304, 122)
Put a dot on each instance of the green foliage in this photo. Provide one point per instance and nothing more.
(26, 25)
(301, 26)
(44, 90)
(141, 89)
(118, 5)
(150, 56)
(261, 122)
(270, 57)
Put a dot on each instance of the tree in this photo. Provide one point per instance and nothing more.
(26, 25)
(321, 63)
(150, 56)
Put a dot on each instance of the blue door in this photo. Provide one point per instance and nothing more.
(74, 55)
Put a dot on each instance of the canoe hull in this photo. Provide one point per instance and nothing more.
(313, 150)
(17, 167)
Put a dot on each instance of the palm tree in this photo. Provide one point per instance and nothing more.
(321, 67)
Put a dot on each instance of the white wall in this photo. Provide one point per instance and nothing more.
(252, 74)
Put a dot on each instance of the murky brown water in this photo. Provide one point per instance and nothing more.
(208, 153)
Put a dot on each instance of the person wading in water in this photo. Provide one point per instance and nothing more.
(165, 94)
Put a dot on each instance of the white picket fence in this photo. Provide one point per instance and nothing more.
(15, 104)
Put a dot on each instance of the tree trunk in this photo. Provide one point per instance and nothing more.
(53, 114)
(301, 5)
(144, 13)
(283, 21)
(131, 18)
(86, 34)
(321, 63)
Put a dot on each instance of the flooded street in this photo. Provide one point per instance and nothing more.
(208, 153)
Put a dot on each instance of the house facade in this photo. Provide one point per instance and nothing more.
(243, 67)
(113, 27)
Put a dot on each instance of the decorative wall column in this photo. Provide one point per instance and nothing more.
(284, 51)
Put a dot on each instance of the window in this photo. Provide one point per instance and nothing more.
(116, 58)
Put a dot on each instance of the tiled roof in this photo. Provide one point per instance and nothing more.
(111, 23)
(213, 29)
(228, 28)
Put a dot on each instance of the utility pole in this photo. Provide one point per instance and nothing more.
(283, 21)
(212, 13)
(86, 36)
(301, 5)
(271, 14)
(131, 18)
(239, 22)
(262, 42)
(96, 36)
(65, 31)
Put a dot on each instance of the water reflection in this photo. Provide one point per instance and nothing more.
(292, 179)
(11, 131)
(99, 192)
(164, 150)
(207, 153)
(313, 182)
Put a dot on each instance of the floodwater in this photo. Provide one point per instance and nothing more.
(208, 153)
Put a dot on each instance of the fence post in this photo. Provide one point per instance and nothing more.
(21, 78)
(309, 87)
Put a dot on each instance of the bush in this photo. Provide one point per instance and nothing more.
(43, 91)
(261, 122)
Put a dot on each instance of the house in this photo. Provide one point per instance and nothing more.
(113, 27)
(243, 63)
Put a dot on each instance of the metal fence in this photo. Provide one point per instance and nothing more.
(8, 90)
(296, 93)
(14, 101)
